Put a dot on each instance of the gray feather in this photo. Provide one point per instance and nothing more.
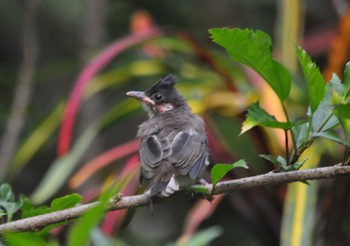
(173, 144)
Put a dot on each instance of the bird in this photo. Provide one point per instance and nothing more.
(173, 150)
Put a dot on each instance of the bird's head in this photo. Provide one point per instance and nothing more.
(161, 97)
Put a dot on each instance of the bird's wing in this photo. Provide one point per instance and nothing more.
(152, 150)
(189, 152)
(186, 150)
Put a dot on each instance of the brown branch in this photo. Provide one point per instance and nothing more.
(38, 222)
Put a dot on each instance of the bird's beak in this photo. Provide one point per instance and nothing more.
(140, 95)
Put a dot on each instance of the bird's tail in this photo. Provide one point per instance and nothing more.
(164, 182)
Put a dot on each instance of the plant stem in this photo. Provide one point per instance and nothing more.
(287, 145)
(291, 132)
(324, 122)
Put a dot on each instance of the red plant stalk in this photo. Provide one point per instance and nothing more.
(65, 134)
(114, 219)
(101, 161)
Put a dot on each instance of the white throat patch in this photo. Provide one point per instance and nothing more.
(164, 107)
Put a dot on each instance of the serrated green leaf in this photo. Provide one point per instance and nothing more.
(257, 116)
(323, 118)
(254, 50)
(313, 77)
(65, 202)
(220, 170)
(337, 86)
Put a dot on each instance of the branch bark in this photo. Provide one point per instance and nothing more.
(37, 222)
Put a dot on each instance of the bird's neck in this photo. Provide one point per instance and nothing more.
(167, 109)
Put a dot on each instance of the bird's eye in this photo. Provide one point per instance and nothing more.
(158, 97)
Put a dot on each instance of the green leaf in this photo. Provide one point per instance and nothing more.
(2, 213)
(203, 237)
(98, 238)
(8, 201)
(343, 114)
(337, 86)
(28, 210)
(323, 118)
(80, 231)
(26, 238)
(297, 165)
(346, 80)
(281, 164)
(65, 202)
(331, 136)
(313, 77)
(254, 50)
(36, 140)
(220, 170)
(62, 167)
(226, 130)
(300, 132)
(342, 111)
(257, 116)
(68, 201)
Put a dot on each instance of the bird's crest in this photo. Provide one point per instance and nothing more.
(164, 83)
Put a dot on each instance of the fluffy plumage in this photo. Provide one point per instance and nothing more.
(173, 148)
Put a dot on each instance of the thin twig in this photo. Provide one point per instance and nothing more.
(37, 222)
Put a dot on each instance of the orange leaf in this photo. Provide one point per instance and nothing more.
(101, 161)
(202, 210)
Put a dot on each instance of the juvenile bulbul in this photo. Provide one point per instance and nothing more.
(173, 144)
